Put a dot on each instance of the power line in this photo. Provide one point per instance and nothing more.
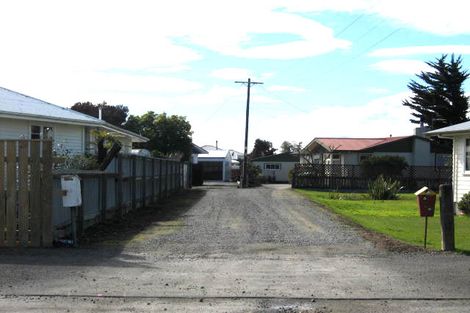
(350, 24)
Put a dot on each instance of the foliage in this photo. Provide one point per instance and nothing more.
(170, 136)
(439, 101)
(384, 189)
(254, 174)
(115, 115)
(291, 147)
(64, 160)
(464, 203)
(104, 141)
(398, 218)
(387, 165)
(262, 148)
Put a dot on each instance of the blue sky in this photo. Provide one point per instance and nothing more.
(330, 68)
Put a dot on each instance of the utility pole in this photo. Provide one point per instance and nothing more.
(244, 182)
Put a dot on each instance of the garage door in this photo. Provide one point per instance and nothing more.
(212, 170)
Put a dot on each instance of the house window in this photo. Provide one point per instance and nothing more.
(35, 132)
(364, 157)
(38, 132)
(272, 166)
(467, 154)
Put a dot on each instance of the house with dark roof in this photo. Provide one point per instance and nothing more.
(276, 167)
(416, 150)
(25, 117)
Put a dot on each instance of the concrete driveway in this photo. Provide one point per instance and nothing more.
(223, 249)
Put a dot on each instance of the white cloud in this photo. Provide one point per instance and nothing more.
(232, 73)
(421, 50)
(286, 88)
(402, 66)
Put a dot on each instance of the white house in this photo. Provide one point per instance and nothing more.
(217, 163)
(460, 134)
(277, 166)
(416, 150)
(25, 117)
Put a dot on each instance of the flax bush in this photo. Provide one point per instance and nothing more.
(384, 189)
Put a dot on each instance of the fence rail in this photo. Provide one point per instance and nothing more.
(25, 193)
(128, 183)
(352, 177)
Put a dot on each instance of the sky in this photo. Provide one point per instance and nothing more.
(329, 68)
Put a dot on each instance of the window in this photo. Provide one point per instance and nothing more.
(467, 154)
(272, 166)
(363, 157)
(35, 132)
(38, 132)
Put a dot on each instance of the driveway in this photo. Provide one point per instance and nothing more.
(223, 249)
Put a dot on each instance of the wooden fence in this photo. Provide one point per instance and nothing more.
(25, 193)
(128, 183)
(352, 177)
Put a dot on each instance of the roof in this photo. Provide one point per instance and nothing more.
(19, 106)
(195, 149)
(281, 157)
(450, 130)
(214, 154)
(351, 144)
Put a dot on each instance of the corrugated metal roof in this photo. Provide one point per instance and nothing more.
(457, 128)
(214, 154)
(354, 144)
(14, 104)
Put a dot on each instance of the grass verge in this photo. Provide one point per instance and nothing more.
(398, 219)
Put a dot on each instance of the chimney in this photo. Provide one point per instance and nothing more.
(216, 145)
(100, 113)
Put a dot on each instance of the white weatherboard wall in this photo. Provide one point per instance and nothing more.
(69, 137)
(460, 178)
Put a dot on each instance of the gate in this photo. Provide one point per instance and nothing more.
(25, 193)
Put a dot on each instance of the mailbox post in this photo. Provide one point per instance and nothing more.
(426, 205)
(71, 198)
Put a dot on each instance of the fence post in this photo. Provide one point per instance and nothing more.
(133, 181)
(160, 175)
(104, 195)
(447, 217)
(46, 184)
(119, 190)
(153, 181)
(144, 182)
(166, 178)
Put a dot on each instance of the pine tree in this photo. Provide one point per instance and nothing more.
(440, 100)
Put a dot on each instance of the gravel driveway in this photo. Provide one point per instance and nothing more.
(223, 249)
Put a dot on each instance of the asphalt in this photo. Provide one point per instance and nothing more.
(223, 249)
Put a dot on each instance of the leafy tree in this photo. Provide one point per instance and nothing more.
(291, 147)
(262, 148)
(170, 136)
(287, 147)
(439, 101)
(113, 114)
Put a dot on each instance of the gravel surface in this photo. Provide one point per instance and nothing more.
(223, 249)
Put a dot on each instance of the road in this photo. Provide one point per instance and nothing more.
(223, 249)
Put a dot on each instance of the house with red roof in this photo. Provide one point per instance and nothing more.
(416, 150)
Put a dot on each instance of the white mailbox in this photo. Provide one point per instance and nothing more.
(71, 191)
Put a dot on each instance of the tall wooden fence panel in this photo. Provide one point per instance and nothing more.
(351, 177)
(25, 193)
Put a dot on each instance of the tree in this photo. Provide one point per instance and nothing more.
(170, 136)
(262, 148)
(439, 101)
(113, 114)
(287, 147)
(291, 147)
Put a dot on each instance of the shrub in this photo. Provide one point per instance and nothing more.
(464, 203)
(387, 165)
(384, 189)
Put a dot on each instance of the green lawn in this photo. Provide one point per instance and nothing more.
(396, 218)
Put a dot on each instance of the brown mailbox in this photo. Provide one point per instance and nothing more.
(426, 201)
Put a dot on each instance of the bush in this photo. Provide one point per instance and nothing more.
(464, 203)
(388, 166)
(384, 189)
